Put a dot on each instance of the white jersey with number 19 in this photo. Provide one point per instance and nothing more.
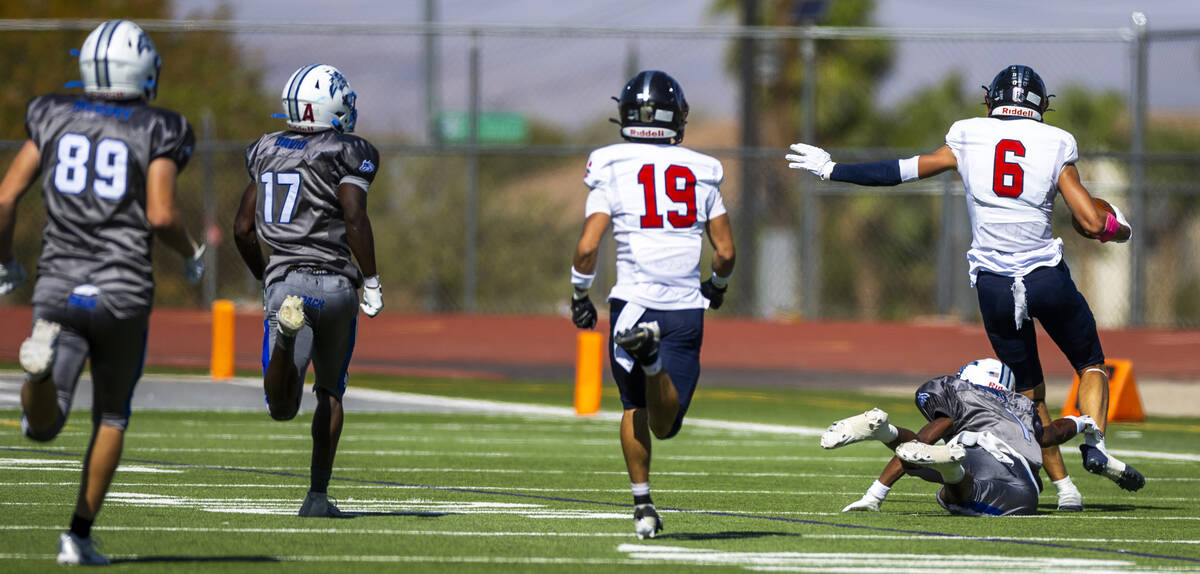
(660, 198)
(1010, 168)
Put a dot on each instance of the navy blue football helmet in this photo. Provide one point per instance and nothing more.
(1017, 91)
(652, 109)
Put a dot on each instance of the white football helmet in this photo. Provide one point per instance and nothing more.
(989, 373)
(118, 61)
(318, 97)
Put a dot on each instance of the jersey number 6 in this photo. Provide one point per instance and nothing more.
(681, 188)
(1007, 176)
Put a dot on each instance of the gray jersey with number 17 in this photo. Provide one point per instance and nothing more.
(95, 155)
(298, 211)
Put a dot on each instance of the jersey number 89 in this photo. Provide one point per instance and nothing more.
(110, 166)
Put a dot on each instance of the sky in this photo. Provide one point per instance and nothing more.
(568, 81)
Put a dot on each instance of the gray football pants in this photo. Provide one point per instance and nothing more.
(331, 321)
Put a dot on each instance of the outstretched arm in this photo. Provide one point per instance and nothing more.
(891, 172)
(1064, 429)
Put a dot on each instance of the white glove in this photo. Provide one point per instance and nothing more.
(193, 267)
(372, 296)
(811, 158)
(12, 275)
(1121, 219)
(1085, 424)
(867, 503)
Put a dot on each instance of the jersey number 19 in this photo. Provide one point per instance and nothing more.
(681, 188)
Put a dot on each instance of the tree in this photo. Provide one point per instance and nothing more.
(203, 74)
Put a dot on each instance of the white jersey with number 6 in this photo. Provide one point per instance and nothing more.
(1010, 168)
(659, 197)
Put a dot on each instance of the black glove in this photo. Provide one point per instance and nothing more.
(714, 294)
(583, 313)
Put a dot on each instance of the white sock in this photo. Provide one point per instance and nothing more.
(878, 490)
(1064, 484)
(889, 435)
(640, 488)
(654, 368)
(953, 475)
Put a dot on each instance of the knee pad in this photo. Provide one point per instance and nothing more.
(43, 435)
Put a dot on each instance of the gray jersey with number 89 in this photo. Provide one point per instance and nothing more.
(95, 156)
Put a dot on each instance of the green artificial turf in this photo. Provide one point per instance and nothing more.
(218, 492)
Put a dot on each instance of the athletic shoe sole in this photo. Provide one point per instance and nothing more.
(854, 429)
(37, 352)
(290, 315)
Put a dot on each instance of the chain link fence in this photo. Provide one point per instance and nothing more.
(484, 133)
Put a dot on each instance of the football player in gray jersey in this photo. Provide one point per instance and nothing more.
(994, 436)
(307, 200)
(108, 163)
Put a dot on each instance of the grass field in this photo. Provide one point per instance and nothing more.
(218, 491)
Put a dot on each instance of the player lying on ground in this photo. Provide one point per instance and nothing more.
(660, 198)
(993, 440)
(1012, 166)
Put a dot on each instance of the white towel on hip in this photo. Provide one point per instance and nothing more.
(1020, 302)
(627, 319)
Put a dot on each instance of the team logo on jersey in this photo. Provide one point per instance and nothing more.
(367, 166)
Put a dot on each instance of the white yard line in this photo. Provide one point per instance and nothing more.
(549, 533)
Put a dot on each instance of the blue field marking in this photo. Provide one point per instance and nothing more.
(305, 476)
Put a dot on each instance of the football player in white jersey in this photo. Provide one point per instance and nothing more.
(660, 198)
(1011, 165)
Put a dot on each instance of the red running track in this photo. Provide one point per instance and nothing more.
(466, 345)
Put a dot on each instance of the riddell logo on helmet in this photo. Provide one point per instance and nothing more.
(1016, 111)
(653, 133)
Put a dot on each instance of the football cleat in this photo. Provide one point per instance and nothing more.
(646, 521)
(1097, 461)
(290, 316)
(1070, 500)
(640, 341)
(871, 424)
(944, 458)
(79, 551)
(319, 505)
(37, 352)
